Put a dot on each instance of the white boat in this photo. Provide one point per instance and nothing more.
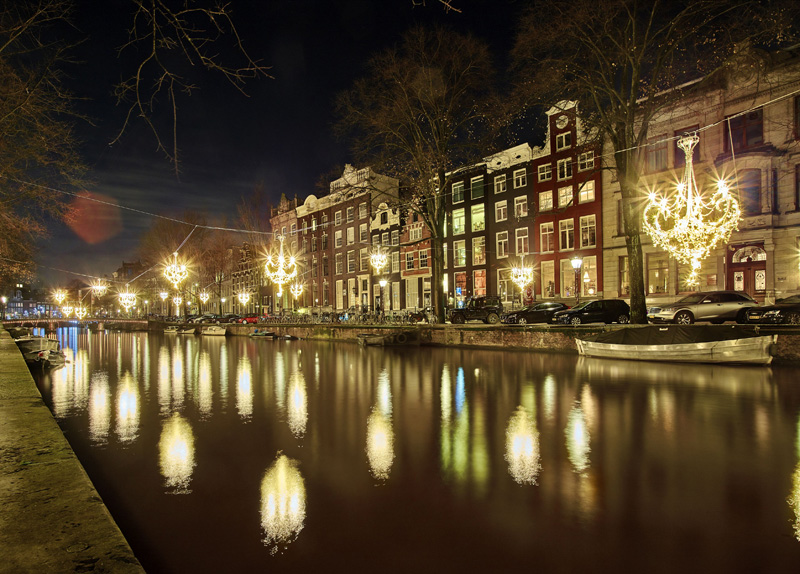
(186, 331)
(682, 344)
(172, 329)
(216, 330)
(31, 343)
(262, 335)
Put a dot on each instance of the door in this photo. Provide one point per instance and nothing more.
(747, 270)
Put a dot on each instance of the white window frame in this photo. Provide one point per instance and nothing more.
(521, 206)
(337, 238)
(586, 194)
(546, 200)
(588, 222)
(415, 233)
(564, 169)
(478, 242)
(520, 178)
(500, 183)
(460, 186)
(337, 218)
(351, 235)
(563, 141)
(566, 235)
(351, 214)
(459, 215)
(477, 217)
(545, 172)
(501, 211)
(586, 161)
(473, 184)
(521, 235)
(565, 195)
(547, 229)
(460, 253)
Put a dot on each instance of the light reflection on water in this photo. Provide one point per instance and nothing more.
(529, 454)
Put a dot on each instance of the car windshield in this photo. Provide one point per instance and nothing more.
(694, 298)
(793, 300)
(582, 305)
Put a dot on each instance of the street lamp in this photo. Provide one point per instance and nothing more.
(576, 265)
(4, 299)
(163, 296)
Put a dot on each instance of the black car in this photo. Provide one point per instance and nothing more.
(596, 311)
(487, 309)
(535, 313)
(783, 312)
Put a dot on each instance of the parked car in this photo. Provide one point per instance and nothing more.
(595, 311)
(783, 312)
(713, 306)
(535, 313)
(248, 319)
(487, 309)
(204, 318)
(227, 318)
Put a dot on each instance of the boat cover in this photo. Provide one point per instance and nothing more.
(669, 335)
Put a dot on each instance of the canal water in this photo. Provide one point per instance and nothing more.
(230, 454)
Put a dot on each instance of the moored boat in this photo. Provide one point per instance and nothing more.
(215, 330)
(31, 343)
(262, 334)
(684, 344)
(186, 331)
(172, 329)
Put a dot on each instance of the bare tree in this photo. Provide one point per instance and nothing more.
(253, 216)
(624, 61)
(423, 110)
(179, 35)
(37, 144)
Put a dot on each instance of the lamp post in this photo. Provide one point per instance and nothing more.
(576, 265)
(163, 296)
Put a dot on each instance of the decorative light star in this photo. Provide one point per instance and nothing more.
(688, 225)
(244, 297)
(176, 272)
(296, 289)
(522, 276)
(59, 295)
(204, 297)
(378, 261)
(127, 298)
(279, 268)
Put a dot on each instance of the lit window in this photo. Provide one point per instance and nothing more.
(586, 161)
(351, 235)
(657, 155)
(477, 215)
(479, 250)
(458, 192)
(459, 224)
(546, 200)
(460, 253)
(566, 234)
(586, 193)
(564, 196)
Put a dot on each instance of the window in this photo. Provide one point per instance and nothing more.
(395, 237)
(546, 172)
(459, 225)
(459, 253)
(750, 191)
(395, 262)
(588, 231)
(337, 238)
(351, 235)
(324, 241)
(478, 220)
(502, 244)
(547, 237)
(501, 211)
(350, 214)
(479, 282)
(479, 250)
(458, 192)
(363, 233)
(624, 282)
(444, 256)
(384, 217)
(476, 185)
(522, 241)
(620, 219)
(423, 259)
(500, 185)
(657, 154)
(362, 210)
(563, 141)
(324, 265)
(680, 156)
(657, 273)
(314, 269)
(293, 228)
(504, 285)
(548, 273)
(364, 259)
(586, 161)
(586, 193)
(351, 262)
(313, 224)
(564, 196)
(339, 267)
(337, 218)
(588, 282)
(566, 234)
(385, 238)
(564, 169)
(745, 131)
(283, 231)
(520, 206)
(520, 178)
(546, 200)
(324, 219)
(313, 243)
(410, 260)
(415, 234)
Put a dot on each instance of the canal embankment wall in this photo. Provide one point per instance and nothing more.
(52, 518)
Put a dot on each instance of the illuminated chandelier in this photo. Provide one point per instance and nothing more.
(67, 309)
(176, 272)
(99, 289)
(378, 261)
(522, 276)
(127, 298)
(280, 269)
(204, 297)
(59, 296)
(244, 297)
(80, 312)
(177, 300)
(687, 225)
(296, 289)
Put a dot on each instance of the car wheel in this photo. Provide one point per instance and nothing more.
(575, 320)
(792, 319)
(623, 319)
(741, 318)
(492, 318)
(457, 319)
(522, 321)
(684, 318)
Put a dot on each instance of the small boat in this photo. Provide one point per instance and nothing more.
(382, 339)
(186, 331)
(46, 358)
(681, 344)
(172, 329)
(216, 330)
(262, 334)
(31, 343)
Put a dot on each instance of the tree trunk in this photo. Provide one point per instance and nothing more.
(631, 214)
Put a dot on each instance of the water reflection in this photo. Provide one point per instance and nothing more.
(794, 498)
(522, 447)
(176, 454)
(578, 439)
(99, 409)
(298, 404)
(127, 409)
(205, 391)
(380, 435)
(283, 503)
(244, 388)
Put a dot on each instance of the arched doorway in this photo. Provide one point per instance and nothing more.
(747, 269)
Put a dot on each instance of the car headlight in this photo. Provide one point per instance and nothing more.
(772, 313)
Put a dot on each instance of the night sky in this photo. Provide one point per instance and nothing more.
(280, 135)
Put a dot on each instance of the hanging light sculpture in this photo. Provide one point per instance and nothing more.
(80, 312)
(99, 289)
(176, 272)
(59, 295)
(127, 298)
(296, 289)
(177, 300)
(688, 225)
(281, 269)
(204, 297)
(378, 261)
(67, 309)
(244, 297)
(522, 276)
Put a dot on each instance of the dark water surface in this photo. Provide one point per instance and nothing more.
(238, 455)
